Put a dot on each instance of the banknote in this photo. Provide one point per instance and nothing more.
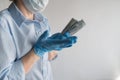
(74, 26)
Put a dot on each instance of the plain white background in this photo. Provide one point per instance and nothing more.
(96, 56)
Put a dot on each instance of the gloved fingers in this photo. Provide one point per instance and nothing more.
(69, 42)
(73, 39)
(58, 44)
(63, 43)
(44, 35)
(60, 36)
(67, 34)
(69, 46)
(56, 35)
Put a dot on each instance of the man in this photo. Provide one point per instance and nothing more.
(25, 42)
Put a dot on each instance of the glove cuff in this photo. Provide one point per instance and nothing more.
(39, 51)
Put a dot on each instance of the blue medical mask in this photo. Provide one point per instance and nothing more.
(35, 6)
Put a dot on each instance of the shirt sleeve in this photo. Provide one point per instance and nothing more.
(10, 68)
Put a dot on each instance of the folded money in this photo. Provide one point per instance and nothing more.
(73, 26)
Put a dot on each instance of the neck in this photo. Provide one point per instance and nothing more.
(24, 10)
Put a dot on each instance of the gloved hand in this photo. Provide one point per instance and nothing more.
(57, 41)
(62, 36)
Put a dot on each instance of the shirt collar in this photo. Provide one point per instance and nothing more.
(16, 14)
(20, 18)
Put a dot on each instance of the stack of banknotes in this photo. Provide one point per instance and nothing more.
(74, 26)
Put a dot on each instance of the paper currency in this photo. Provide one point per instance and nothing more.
(73, 26)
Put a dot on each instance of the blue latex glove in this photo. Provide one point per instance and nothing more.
(63, 36)
(57, 41)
